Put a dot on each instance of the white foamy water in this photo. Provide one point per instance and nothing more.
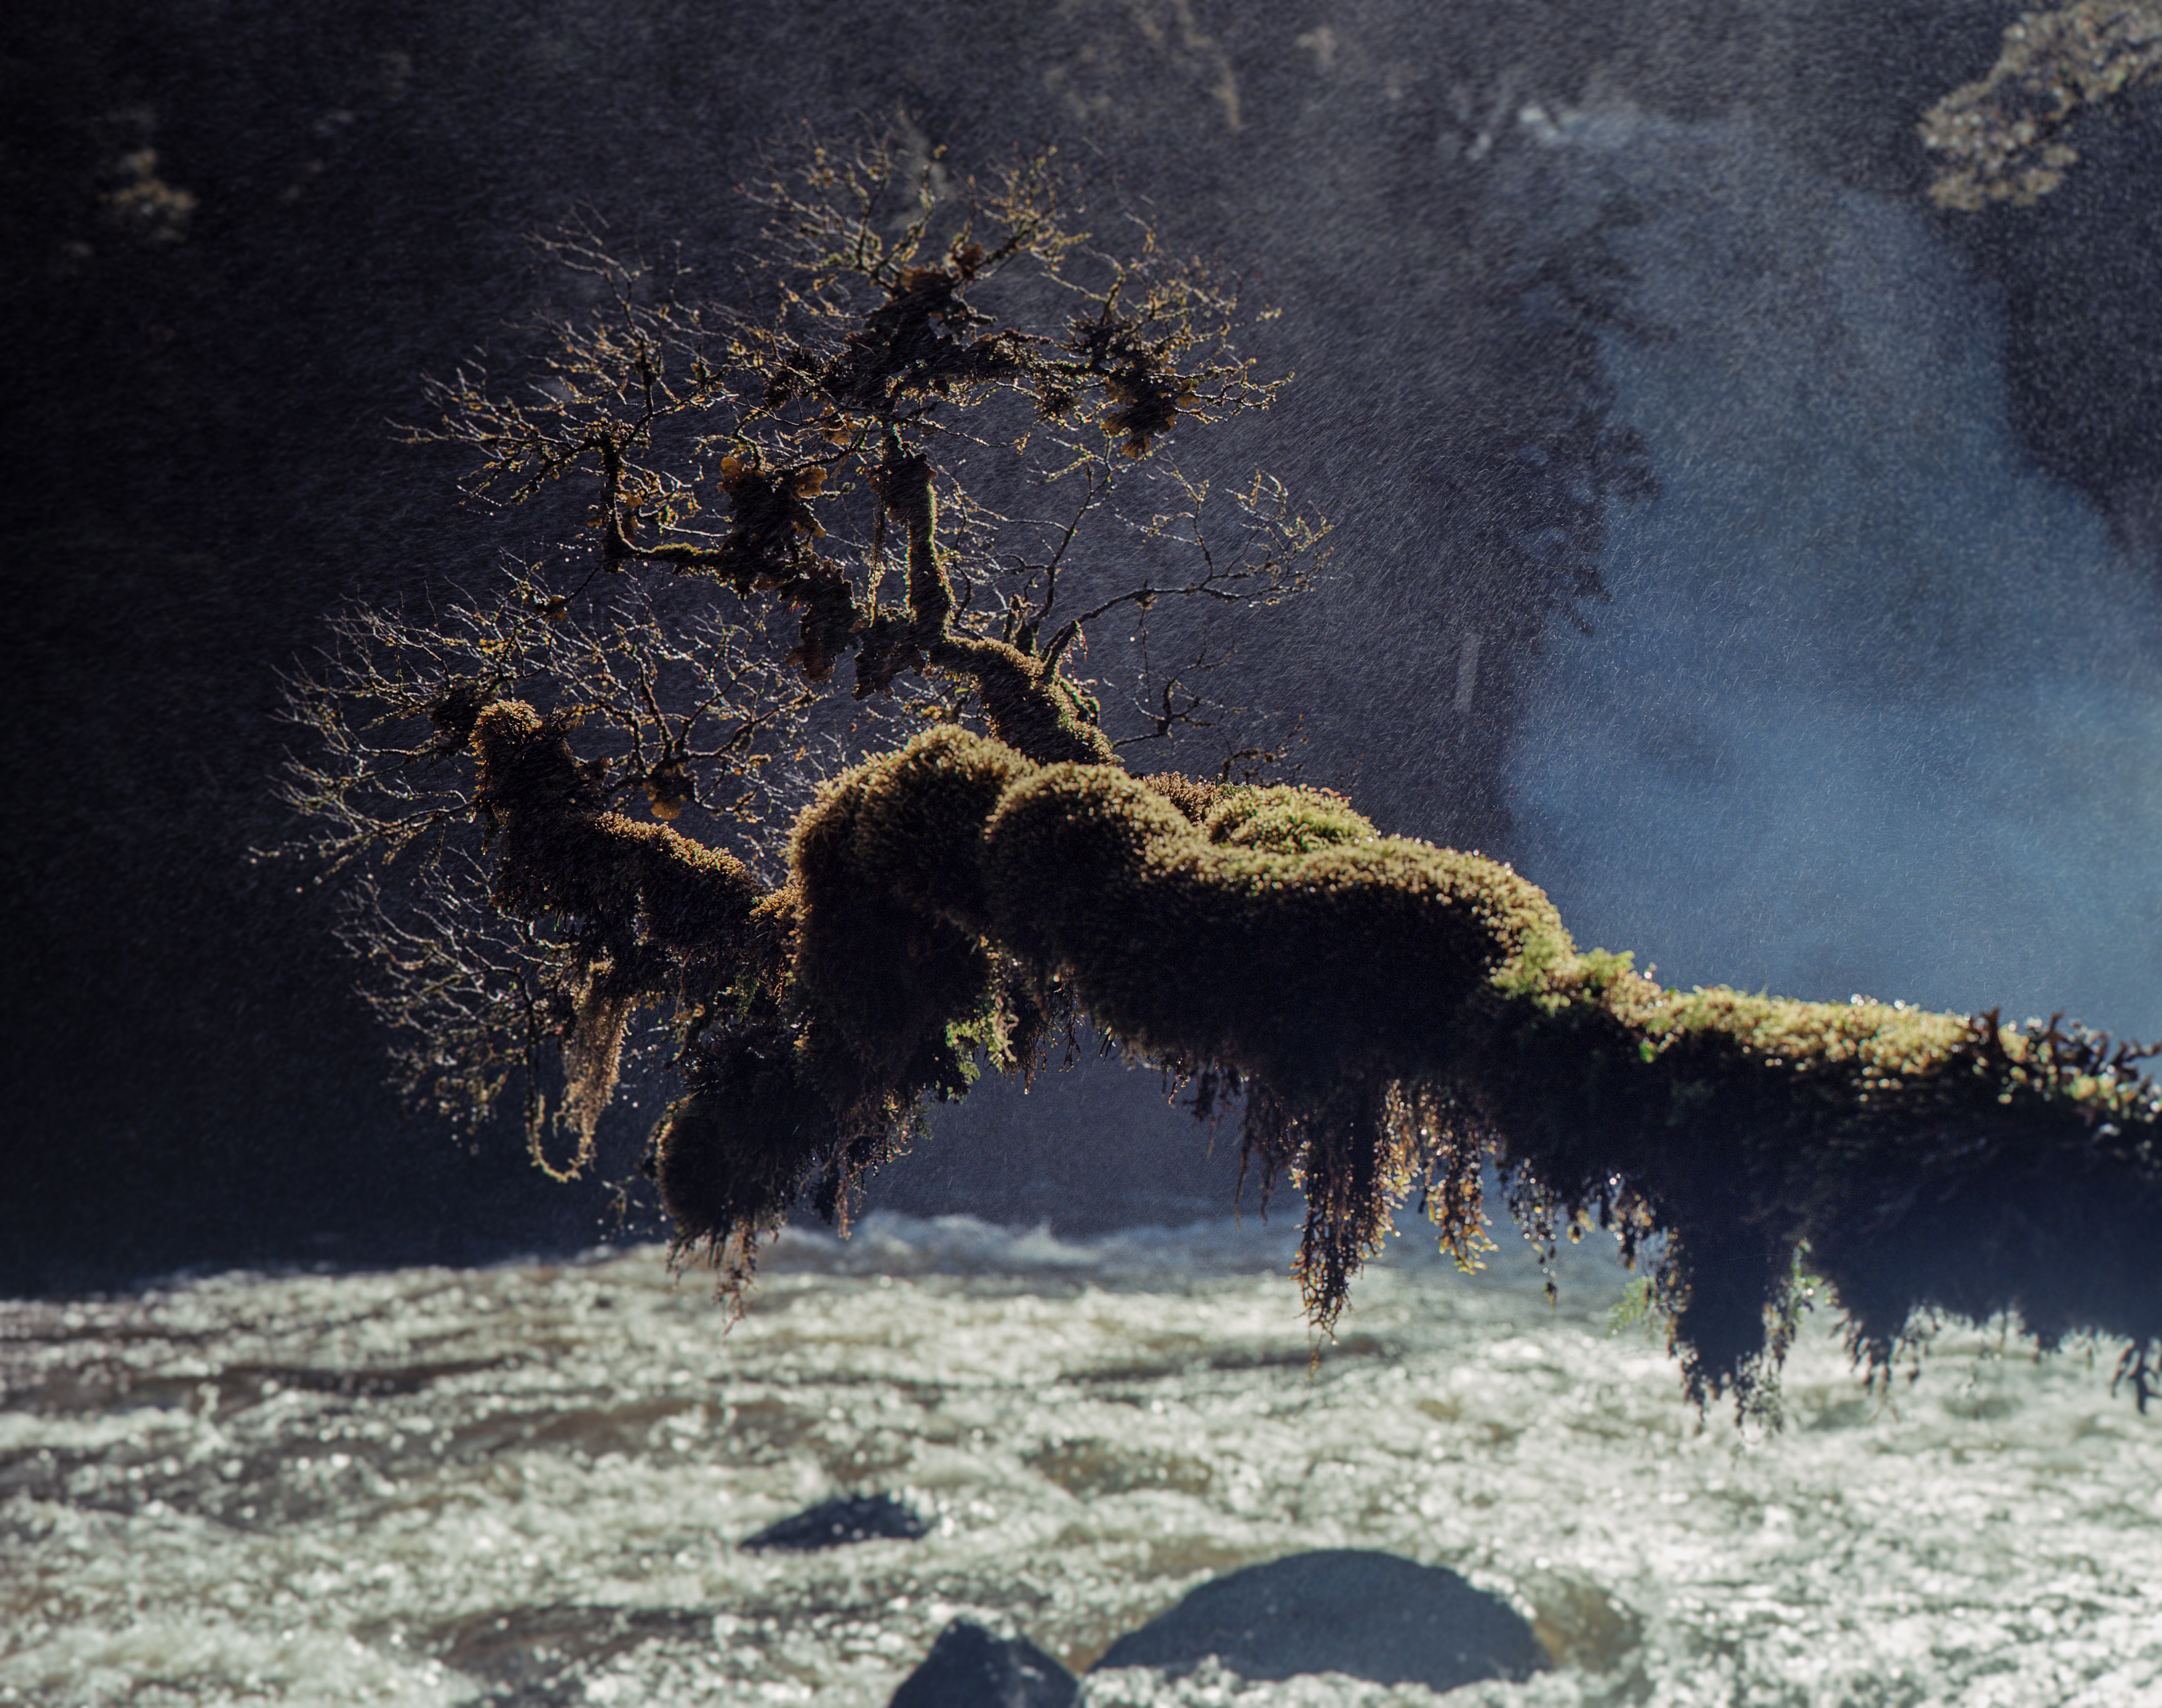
(527, 1485)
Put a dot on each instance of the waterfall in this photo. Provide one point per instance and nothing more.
(1875, 708)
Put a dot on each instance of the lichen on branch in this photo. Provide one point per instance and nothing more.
(2007, 137)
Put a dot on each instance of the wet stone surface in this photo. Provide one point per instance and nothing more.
(971, 1666)
(1339, 1610)
(837, 1522)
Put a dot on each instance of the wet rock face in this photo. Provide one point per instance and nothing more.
(1339, 1610)
(837, 1522)
(970, 1667)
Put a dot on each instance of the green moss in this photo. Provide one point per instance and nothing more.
(889, 955)
(914, 824)
(558, 851)
(1285, 820)
(1307, 971)
(1929, 1161)
(1194, 799)
(1390, 1011)
(732, 1156)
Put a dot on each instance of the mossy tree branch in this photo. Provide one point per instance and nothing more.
(870, 914)
(742, 470)
(1392, 1011)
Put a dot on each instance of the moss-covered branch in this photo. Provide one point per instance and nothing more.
(558, 850)
(1386, 1015)
(1390, 1009)
(784, 453)
(1032, 707)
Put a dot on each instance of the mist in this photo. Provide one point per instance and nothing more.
(1875, 705)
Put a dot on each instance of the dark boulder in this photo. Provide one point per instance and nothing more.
(843, 1519)
(1339, 1610)
(969, 1667)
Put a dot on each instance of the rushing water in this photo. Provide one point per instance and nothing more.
(527, 1484)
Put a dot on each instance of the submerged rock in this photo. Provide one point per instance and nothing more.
(837, 1522)
(1339, 1610)
(971, 1667)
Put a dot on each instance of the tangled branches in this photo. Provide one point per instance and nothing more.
(930, 437)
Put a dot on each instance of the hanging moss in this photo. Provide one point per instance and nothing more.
(1928, 1162)
(1390, 1011)
(733, 1155)
(1384, 1003)
(1272, 937)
